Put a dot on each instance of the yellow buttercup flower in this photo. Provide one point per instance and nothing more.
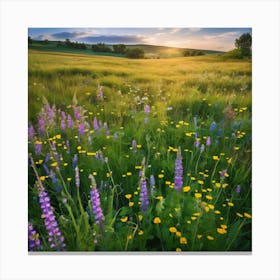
(186, 188)
(124, 219)
(160, 176)
(128, 196)
(221, 231)
(215, 158)
(140, 232)
(209, 197)
(157, 220)
(172, 229)
(178, 233)
(140, 218)
(198, 195)
(183, 240)
(178, 250)
(54, 164)
(130, 204)
(247, 215)
(209, 237)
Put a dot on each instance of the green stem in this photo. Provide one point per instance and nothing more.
(235, 236)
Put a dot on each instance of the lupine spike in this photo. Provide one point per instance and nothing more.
(55, 238)
(144, 199)
(34, 242)
(178, 181)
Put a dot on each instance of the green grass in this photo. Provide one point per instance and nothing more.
(186, 95)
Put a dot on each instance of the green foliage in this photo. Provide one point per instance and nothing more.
(101, 47)
(135, 53)
(120, 48)
(192, 53)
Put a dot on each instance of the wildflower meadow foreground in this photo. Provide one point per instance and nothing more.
(145, 179)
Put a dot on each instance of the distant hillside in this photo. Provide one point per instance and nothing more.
(151, 51)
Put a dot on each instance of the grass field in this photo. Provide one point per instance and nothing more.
(139, 155)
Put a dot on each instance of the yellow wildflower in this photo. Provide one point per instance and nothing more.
(247, 215)
(124, 219)
(157, 220)
(198, 195)
(128, 196)
(209, 237)
(183, 240)
(186, 188)
(172, 229)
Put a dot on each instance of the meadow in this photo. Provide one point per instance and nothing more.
(139, 155)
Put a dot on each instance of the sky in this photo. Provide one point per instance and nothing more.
(221, 39)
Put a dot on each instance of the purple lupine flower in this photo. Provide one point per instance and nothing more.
(68, 146)
(46, 169)
(33, 239)
(63, 115)
(53, 177)
(238, 189)
(147, 109)
(81, 129)
(74, 161)
(41, 125)
(77, 177)
(208, 141)
(62, 124)
(133, 144)
(100, 93)
(152, 184)
(77, 113)
(95, 203)
(197, 142)
(70, 122)
(31, 132)
(223, 173)
(144, 199)
(95, 124)
(178, 181)
(55, 238)
(47, 158)
(38, 147)
(212, 126)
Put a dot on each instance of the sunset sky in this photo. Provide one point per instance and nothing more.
(221, 39)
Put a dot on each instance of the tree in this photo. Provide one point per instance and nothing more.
(135, 53)
(30, 41)
(100, 47)
(120, 48)
(244, 44)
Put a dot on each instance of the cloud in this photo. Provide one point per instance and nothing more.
(115, 39)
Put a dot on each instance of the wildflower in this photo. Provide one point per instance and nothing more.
(198, 195)
(77, 113)
(223, 173)
(212, 126)
(131, 203)
(41, 124)
(31, 132)
(55, 237)
(38, 147)
(124, 219)
(133, 144)
(208, 141)
(95, 203)
(221, 230)
(209, 237)
(183, 240)
(156, 220)
(69, 121)
(247, 215)
(77, 177)
(140, 218)
(74, 161)
(95, 124)
(197, 142)
(230, 204)
(128, 196)
(140, 232)
(81, 129)
(62, 124)
(178, 250)
(178, 181)
(100, 93)
(144, 199)
(178, 233)
(33, 239)
(160, 176)
(147, 109)
(186, 188)
(215, 158)
(172, 229)
(238, 189)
